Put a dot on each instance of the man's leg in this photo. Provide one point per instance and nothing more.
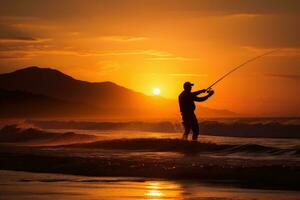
(195, 128)
(187, 129)
(195, 132)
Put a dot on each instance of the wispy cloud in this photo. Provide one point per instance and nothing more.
(150, 55)
(24, 54)
(25, 47)
(14, 55)
(235, 16)
(242, 15)
(25, 22)
(286, 76)
(27, 40)
(188, 75)
(119, 38)
(147, 52)
(177, 58)
(10, 18)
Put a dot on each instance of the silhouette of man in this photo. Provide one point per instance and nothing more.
(187, 106)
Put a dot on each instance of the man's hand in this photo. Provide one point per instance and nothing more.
(198, 92)
(200, 99)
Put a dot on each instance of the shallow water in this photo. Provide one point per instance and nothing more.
(109, 135)
(25, 185)
(292, 145)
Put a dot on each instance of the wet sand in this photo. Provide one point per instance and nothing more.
(42, 186)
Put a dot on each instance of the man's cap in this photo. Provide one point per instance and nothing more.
(187, 84)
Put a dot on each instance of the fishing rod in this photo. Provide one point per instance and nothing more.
(239, 66)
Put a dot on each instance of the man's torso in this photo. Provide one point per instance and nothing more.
(186, 103)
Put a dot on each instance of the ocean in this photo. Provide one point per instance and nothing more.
(64, 162)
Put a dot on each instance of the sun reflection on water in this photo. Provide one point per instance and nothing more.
(159, 190)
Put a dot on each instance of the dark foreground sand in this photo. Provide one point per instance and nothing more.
(246, 172)
(26, 185)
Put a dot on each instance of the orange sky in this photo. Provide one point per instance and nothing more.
(143, 44)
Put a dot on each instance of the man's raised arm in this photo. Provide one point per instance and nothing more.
(196, 93)
(199, 99)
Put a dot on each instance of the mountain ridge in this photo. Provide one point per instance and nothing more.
(110, 98)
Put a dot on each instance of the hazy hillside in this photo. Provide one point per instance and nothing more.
(106, 98)
(25, 104)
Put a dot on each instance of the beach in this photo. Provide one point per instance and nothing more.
(25, 185)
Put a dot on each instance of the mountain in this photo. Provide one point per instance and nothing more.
(25, 104)
(106, 98)
(53, 83)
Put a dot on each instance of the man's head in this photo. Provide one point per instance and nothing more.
(187, 86)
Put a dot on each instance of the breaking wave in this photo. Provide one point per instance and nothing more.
(251, 128)
(32, 136)
(177, 145)
(12, 134)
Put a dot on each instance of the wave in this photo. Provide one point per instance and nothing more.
(177, 145)
(163, 126)
(254, 128)
(251, 130)
(32, 136)
(13, 134)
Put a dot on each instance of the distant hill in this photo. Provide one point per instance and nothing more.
(106, 98)
(25, 104)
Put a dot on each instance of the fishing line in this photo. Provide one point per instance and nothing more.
(239, 66)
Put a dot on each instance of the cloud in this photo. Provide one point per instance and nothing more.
(123, 38)
(28, 40)
(147, 52)
(12, 18)
(14, 55)
(177, 58)
(242, 16)
(285, 76)
(150, 54)
(25, 24)
(31, 52)
(188, 75)
(31, 47)
(9, 32)
(12, 36)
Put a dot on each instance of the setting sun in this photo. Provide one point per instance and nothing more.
(156, 91)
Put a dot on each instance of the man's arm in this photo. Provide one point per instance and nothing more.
(199, 99)
(196, 93)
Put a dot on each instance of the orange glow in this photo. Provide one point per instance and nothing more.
(178, 42)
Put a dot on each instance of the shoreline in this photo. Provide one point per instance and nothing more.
(67, 187)
(274, 176)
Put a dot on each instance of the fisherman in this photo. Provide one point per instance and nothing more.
(187, 106)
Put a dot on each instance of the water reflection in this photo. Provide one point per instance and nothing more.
(66, 187)
(162, 190)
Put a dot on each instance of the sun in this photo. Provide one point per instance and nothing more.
(156, 91)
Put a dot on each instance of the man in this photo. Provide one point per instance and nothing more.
(187, 106)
